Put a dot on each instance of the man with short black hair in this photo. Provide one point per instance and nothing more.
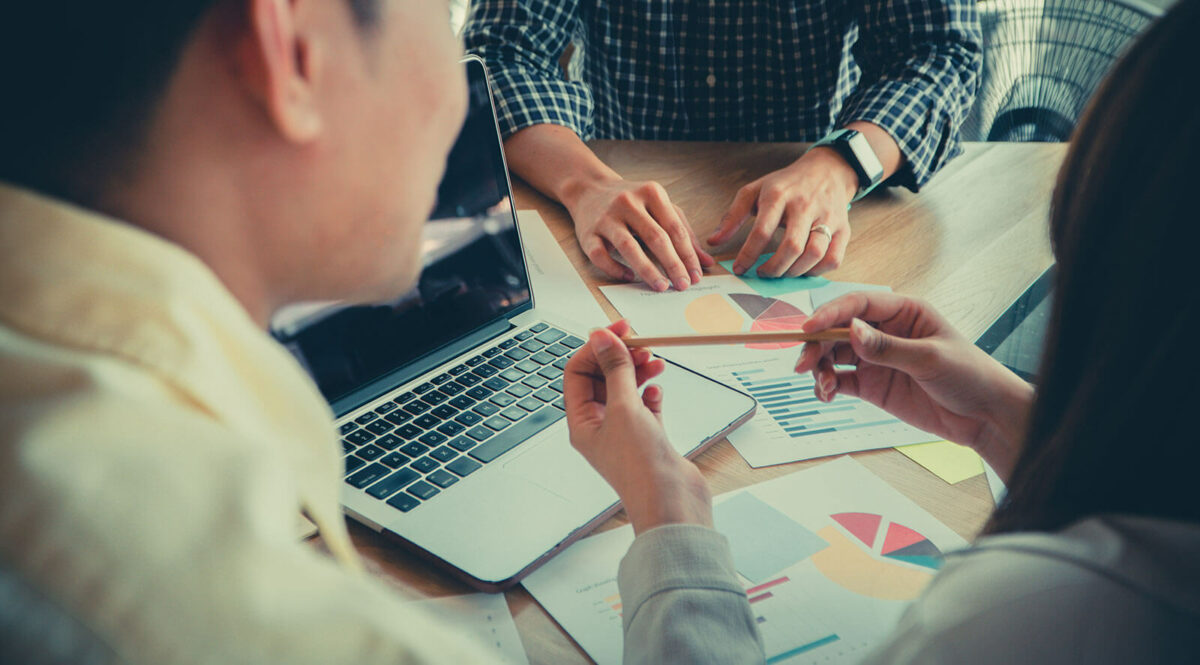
(171, 173)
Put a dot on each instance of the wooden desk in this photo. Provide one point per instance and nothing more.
(970, 244)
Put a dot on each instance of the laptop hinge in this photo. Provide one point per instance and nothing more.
(418, 367)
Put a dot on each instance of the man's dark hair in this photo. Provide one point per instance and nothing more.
(82, 81)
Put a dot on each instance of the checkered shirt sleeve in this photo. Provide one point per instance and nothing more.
(521, 42)
(920, 63)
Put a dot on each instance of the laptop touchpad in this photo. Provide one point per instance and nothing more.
(550, 462)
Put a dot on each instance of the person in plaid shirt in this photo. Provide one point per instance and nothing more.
(903, 73)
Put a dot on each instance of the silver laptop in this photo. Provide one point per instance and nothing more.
(449, 399)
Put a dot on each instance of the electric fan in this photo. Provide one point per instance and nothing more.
(1042, 59)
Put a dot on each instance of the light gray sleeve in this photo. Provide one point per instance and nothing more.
(682, 600)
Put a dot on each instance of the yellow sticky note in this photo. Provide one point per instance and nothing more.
(948, 461)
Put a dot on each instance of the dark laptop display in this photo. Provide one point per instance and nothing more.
(474, 275)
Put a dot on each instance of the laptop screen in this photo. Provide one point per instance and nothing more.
(474, 273)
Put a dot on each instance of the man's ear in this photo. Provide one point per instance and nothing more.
(280, 62)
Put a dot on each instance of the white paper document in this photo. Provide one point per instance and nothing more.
(855, 553)
(558, 289)
(791, 424)
(485, 617)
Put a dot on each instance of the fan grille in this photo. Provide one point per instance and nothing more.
(1042, 61)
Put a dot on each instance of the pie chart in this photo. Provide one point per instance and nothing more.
(879, 558)
(737, 312)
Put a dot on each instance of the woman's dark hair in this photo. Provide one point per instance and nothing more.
(1116, 424)
(81, 82)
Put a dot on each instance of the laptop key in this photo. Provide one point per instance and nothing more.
(423, 388)
(550, 373)
(424, 465)
(385, 408)
(369, 452)
(444, 411)
(571, 341)
(532, 346)
(538, 327)
(517, 390)
(516, 354)
(416, 408)
(367, 476)
(551, 336)
(347, 447)
(462, 402)
(501, 399)
(497, 423)
(546, 394)
(464, 466)
(514, 413)
(380, 427)
(468, 418)
(458, 369)
(462, 443)
(452, 388)
(395, 460)
(366, 418)
(511, 375)
(480, 433)
(359, 437)
(479, 393)
(476, 361)
(346, 428)
(398, 417)
(530, 403)
(485, 371)
(492, 352)
(558, 350)
(500, 362)
(441, 478)
(560, 404)
(524, 335)
(561, 363)
(403, 502)
(423, 490)
(434, 398)
(405, 398)
(409, 431)
(486, 409)
(427, 421)
(495, 383)
(353, 463)
(432, 438)
(389, 441)
(393, 483)
(443, 454)
(451, 428)
(441, 378)
(535, 381)
(413, 449)
(556, 385)
(509, 343)
(467, 380)
(542, 358)
(514, 436)
(526, 366)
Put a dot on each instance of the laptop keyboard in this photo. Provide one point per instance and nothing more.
(421, 442)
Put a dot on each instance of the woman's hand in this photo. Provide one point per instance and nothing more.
(914, 365)
(619, 431)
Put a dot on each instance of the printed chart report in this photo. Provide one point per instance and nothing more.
(791, 424)
(855, 552)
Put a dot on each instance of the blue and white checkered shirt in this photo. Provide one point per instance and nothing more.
(738, 70)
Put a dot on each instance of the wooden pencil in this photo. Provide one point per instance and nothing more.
(830, 335)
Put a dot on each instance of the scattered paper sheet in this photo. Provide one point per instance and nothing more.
(829, 607)
(774, 286)
(484, 616)
(764, 540)
(949, 461)
(791, 424)
(994, 483)
(558, 289)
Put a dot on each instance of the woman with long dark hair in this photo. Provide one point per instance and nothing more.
(1094, 556)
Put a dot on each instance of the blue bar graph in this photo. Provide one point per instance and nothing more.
(790, 402)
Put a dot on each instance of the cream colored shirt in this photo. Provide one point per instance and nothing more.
(155, 448)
